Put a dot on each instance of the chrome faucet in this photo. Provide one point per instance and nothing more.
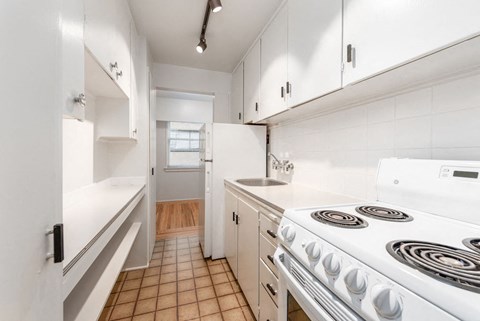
(277, 164)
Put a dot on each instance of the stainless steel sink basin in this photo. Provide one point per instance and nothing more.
(260, 182)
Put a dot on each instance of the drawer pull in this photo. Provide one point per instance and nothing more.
(272, 234)
(233, 217)
(271, 289)
(270, 258)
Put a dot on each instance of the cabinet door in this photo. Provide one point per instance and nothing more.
(248, 252)
(386, 34)
(231, 230)
(274, 66)
(251, 81)
(236, 105)
(73, 59)
(314, 49)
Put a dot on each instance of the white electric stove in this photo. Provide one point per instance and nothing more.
(412, 255)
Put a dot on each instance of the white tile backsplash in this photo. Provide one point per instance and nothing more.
(339, 152)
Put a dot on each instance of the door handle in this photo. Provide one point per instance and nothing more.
(236, 219)
(271, 289)
(282, 92)
(272, 234)
(233, 216)
(58, 248)
(270, 258)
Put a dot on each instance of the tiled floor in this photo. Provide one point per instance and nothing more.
(179, 285)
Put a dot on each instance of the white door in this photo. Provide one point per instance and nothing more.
(274, 66)
(231, 230)
(386, 34)
(205, 207)
(251, 84)
(31, 161)
(236, 112)
(153, 162)
(314, 49)
(248, 252)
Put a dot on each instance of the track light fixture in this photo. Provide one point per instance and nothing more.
(213, 6)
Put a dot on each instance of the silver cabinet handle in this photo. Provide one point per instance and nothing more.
(119, 74)
(113, 65)
(80, 99)
(271, 289)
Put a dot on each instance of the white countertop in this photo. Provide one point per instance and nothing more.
(87, 211)
(283, 197)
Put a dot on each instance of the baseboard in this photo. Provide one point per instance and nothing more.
(179, 200)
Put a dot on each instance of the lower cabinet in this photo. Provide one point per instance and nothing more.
(250, 242)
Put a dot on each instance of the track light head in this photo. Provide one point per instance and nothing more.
(202, 46)
(215, 5)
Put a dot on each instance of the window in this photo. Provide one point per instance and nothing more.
(183, 144)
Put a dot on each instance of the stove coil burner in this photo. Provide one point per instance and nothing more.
(383, 213)
(448, 264)
(339, 219)
(473, 244)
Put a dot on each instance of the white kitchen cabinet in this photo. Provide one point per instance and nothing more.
(273, 82)
(236, 104)
(231, 230)
(381, 35)
(107, 37)
(73, 60)
(314, 49)
(251, 84)
(248, 252)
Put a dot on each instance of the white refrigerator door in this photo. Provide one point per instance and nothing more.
(204, 216)
(238, 151)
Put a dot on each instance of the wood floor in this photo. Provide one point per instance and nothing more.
(177, 218)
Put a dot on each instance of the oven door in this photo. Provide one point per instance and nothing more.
(302, 297)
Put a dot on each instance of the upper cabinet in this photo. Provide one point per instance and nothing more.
(107, 37)
(314, 49)
(73, 80)
(381, 35)
(251, 84)
(236, 104)
(273, 85)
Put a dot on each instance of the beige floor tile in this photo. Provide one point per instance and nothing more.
(150, 280)
(112, 298)
(148, 292)
(228, 302)
(154, 263)
(188, 312)
(203, 281)
(183, 246)
(105, 315)
(213, 262)
(136, 274)
(145, 306)
(205, 293)
(166, 315)
(124, 319)
(201, 271)
(241, 299)
(186, 285)
(184, 266)
(127, 296)
(158, 249)
(169, 254)
(218, 268)
(230, 276)
(168, 277)
(122, 276)
(152, 271)
(195, 250)
(236, 288)
(117, 287)
(186, 274)
(167, 288)
(122, 311)
(219, 278)
(208, 307)
(157, 255)
(226, 267)
(167, 301)
(213, 317)
(187, 297)
(183, 252)
(198, 263)
(248, 314)
(197, 256)
(145, 317)
(169, 260)
(131, 284)
(169, 268)
(234, 315)
(223, 289)
(184, 258)
(170, 247)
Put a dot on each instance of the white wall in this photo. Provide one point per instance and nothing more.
(173, 185)
(193, 80)
(339, 152)
(184, 110)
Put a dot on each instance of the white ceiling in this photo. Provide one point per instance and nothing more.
(173, 29)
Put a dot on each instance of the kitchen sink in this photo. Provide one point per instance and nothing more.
(260, 182)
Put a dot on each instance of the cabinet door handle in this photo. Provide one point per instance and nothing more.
(239, 116)
(272, 234)
(289, 87)
(236, 219)
(271, 289)
(58, 248)
(270, 258)
(233, 216)
(81, 100)
(119, 74)
(282, 92)
(256, 106)
(349, 53)
(113, 65)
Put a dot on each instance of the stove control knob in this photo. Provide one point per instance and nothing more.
(332, 264)
(288, 232)
(313, 250)
(386, 302)
(356, 281)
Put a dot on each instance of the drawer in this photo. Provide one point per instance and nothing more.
(269, 282)
(269, 226)
(268, 309)
(267, 250)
